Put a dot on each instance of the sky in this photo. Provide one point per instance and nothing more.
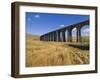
(41, 23)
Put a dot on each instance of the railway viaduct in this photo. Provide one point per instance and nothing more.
(60, 34)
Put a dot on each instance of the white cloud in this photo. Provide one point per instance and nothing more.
(86, 31)
(37, 16)
(62, 25)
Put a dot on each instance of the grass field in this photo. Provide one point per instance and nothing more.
(45, 53)
(85, 39)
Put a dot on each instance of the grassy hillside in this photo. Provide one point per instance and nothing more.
(32, 37)
(85, 39)
(42, 53)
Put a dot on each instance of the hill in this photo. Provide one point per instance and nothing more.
(32, 37)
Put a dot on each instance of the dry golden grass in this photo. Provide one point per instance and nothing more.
(42, 53)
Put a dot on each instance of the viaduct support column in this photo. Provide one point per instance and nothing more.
(69, 35)
(51, 37)
(40, 38)
(80, 40)
(63, 36)
(55, 36)
(78, 36)
(48, 37)
(59, 38)
(44, 38)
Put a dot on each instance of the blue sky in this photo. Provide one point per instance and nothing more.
(41, 23)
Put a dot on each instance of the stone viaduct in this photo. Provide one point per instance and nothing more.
(60, 34)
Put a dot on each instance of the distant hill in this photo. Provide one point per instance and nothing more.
(32, 37)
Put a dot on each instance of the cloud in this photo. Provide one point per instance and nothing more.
(62, 25)
(86, 30)
(37, 16)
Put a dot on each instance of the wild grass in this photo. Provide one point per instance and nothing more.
(45, 53)
(84, 39)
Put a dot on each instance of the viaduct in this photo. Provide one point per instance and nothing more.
(59, 34)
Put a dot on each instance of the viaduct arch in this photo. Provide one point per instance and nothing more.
(59, 34)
